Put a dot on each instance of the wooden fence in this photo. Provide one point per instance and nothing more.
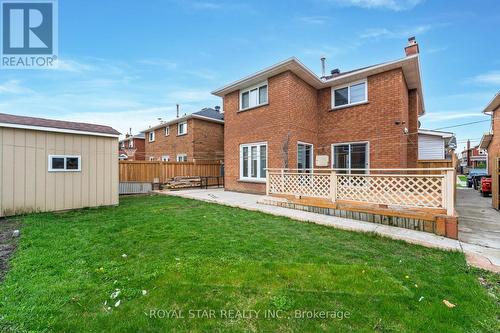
(434, 164)
(146, 171)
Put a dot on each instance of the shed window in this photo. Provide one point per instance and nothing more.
(64, 163)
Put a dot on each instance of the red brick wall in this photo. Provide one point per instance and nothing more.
(494, 153)
(299, 112)
(374, 121)
(208, 140)
(136, 153)
(204, 140)
(414, 109)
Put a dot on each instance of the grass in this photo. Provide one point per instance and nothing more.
(208, 261)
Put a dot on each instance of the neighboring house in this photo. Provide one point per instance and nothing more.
(436, 145)
(285, 116)
(491, 143)
(197, 136)
(132, 147)
(50, 165)
(474, 158)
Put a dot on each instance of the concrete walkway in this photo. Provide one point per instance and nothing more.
(477, 255)
(479, 223)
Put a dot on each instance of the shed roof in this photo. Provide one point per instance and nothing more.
(50, 125)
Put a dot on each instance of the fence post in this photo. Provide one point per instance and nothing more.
(267, 182)
(282, 181)
(450, 192)
(333, 186)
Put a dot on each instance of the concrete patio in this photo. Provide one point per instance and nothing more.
(477, 255)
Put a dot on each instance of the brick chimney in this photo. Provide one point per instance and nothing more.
(412, 47)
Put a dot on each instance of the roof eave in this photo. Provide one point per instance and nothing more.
(493, 104)
(305, 73)
(178, 120)
(59, 130)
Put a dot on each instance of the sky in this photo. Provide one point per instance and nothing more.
(127, 63)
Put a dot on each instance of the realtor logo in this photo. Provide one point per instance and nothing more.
(29, 34)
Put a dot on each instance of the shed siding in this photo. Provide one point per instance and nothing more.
(27, 186)
(430, 147)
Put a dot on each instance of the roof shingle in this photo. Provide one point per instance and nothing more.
(59, 124)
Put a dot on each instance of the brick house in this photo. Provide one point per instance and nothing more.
(285, 116)
(491, 142)
(197, 136)
(132, 147)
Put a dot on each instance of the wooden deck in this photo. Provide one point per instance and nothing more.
(412, 213)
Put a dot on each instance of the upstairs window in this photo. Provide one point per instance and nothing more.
(167, 130)
(131, 143)
(351, 94)
(151, 136)
(254, 96)
(182, 128)
(64, 163)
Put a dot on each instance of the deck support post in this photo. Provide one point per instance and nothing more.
(267, 182)
(333, 186)
(282, 181)
(449, 192)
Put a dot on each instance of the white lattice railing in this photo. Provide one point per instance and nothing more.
(382, 187)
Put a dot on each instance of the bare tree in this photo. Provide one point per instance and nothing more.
(284, 150)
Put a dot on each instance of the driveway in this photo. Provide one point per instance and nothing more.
(479, 223)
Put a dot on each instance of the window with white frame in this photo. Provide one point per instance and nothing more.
(253, 96)
(151, 136)
(182, 128)
(64, 163)
(131, 143)
(122, 145)
(351, 94)
(167, 130)
(182, 158)
(165, 158)
(151, 158)
(253, 161)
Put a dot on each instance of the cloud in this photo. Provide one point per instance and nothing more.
(13, 87)
(190, 95)
(375, 33)
(165, 64)
(314, 19)
(452, 115)
(395, 5)
(492, 77)
(205, 5)
(69, 65)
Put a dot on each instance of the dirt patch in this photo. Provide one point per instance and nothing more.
(7, 243)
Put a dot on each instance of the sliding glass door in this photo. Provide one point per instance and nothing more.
(352, 157)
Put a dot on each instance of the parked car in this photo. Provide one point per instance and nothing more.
(473, 175)
(485, 188)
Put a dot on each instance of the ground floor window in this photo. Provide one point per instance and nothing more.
(351, 157)
(182, 158)
(304, 156)
(165, 158)
(253, 161)
(151, 158)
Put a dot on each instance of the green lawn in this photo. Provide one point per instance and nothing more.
(190, 255)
